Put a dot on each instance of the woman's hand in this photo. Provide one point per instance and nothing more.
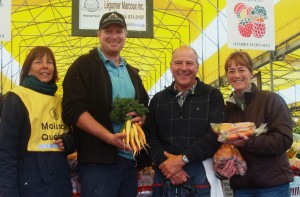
(240, 141)
(229, 169)
(60, 144)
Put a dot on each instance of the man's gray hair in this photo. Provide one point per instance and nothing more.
(197, 57)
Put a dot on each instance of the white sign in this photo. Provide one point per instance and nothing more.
(91, 11)
(226, 188)
(250, 24)
(5, 15)
(295, 187)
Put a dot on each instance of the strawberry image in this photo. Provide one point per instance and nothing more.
(259, 28)
(251, 20)
(245, 27)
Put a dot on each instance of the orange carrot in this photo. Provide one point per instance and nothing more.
(230, 136)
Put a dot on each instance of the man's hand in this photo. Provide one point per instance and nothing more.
(172, 165)
(136, 118)
(117, 140)
(179, 178)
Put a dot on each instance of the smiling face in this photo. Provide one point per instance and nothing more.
(40, 62)
(184, 67)
(112, 39)
(239, 77)
(239, 70)
(42, 68)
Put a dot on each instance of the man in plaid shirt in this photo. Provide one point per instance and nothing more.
(179, 124)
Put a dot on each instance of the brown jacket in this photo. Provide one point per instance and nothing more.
(265, 155)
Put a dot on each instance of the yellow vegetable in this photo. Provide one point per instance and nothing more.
(127, 128)
(136, 136)
(142, 134)
(132, 142)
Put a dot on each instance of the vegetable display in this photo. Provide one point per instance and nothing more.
(135, 136)
(293, 154)
(295, 165)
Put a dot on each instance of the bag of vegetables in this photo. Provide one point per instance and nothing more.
(228, 152)
(228, 132)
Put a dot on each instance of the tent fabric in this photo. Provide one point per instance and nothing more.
(198, 23)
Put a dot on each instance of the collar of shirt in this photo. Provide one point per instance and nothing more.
(182, 95)
(240, 100)
(108, 62)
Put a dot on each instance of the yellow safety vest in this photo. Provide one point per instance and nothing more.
(45, 119)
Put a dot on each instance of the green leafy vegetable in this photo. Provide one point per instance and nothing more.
(121, 106)
(296, 129)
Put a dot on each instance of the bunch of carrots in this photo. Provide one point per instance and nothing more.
(135, 136)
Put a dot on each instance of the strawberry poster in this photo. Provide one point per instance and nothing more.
(251, 24)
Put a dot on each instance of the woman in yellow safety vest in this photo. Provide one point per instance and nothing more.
(31, 164)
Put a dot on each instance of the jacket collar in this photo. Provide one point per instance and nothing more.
(248, 95)
(198, 89)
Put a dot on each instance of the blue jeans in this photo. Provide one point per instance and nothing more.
(280, 191)
(196, 186)
(109, 180)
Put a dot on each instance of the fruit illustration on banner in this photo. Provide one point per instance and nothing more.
(251, 20)
(238, 8)
(259, 28)
(245, 27)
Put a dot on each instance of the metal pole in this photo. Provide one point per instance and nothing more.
(218, 45)
(1, 68)
(271, 71)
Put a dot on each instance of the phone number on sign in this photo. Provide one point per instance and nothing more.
(134, 17)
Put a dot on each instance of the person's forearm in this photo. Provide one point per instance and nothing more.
(88, 124)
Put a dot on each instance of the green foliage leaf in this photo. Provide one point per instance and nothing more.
(121, 106)
(296, 129)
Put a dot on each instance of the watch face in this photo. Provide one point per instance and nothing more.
(185, 159)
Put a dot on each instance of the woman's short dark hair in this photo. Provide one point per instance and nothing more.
(38, 52)
(239, 58)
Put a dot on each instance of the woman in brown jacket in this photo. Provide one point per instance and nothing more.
(268, 170)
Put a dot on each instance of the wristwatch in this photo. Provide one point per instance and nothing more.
(185, 159)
